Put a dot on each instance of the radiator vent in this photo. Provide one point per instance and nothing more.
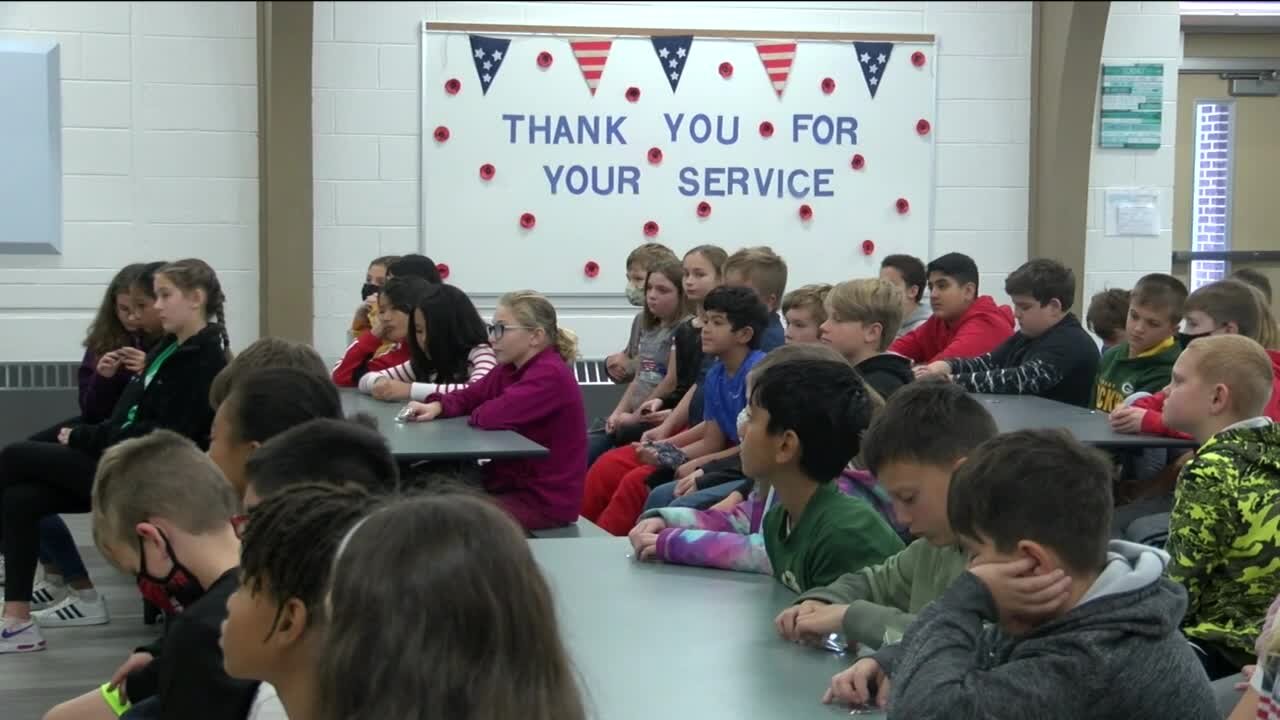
(38, 376)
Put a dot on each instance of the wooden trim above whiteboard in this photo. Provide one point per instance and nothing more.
(574, 31)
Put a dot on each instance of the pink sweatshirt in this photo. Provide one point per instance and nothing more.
(542, 402)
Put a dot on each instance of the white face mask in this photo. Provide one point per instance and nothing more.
(635, 295)
(744, 416)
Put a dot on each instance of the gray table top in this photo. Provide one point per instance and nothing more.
(1030, 412)
(651, 640)
(450, 439)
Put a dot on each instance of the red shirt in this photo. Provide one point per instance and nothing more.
(979, 330)
(361, 357)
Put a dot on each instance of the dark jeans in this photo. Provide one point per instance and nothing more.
(57, 547)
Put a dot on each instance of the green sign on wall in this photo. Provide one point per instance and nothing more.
(1131, 106)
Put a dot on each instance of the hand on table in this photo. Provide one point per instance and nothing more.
(391, 390)
(644, 538)
(811, 622)
(423, 412)
(937, 367)
(1127, 420)
(864, 683)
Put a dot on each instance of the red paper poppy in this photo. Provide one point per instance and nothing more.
(806, 212)
(651, 228)
(441, 134)
(903, 206)
(443, 270)
(527, 221)
(766, 129)
(487, 171)
(704, 209)
(655, 155)
(726, 70)
(633, 94)
(544, 59)
(828, 86)
(591, 269)
(858, 162)
(452, 86)
(917, 58)
(922, 126)
(868, 247)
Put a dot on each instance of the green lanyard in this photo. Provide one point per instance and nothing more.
(150, 374)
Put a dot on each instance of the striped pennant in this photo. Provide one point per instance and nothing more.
(777, 57)
(591, 55)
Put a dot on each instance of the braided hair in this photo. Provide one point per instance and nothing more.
(192, 274)
(291, 538)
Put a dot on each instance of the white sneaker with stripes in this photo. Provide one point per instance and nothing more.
(45, 595)
(74, 611)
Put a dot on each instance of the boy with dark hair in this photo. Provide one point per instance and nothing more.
(1051, 355)
(908, 273)
(1143, 362)
(621, 365)
(964, 324)
(1222, 531)
(802, 428)
(162, 512)
(1252, 277)
(914, 463)
(762, 270)
(1050, 621)
(265, 352)
(616, 486)
(1108, 312)
(339, 452)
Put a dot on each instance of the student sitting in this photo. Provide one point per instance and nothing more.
(1222, 532)
(267, 352)
(367, 312)
(1226, 307)
(621, 365)
(415, 265)
(803, 423)
(617, 485)
(38, 479)
(908, 274)
(490, 645)
(272, 630)
(448, 349)
(862, 320)
(1254, 279)
(805, 310)
(324, 450)
(534, 393)
(964, 324)
(162, 512)
(762, 270)
(914, 463)
(396, 303)
(1143, 362)
(1050, 355)
(1108, 313)
(1049, 621)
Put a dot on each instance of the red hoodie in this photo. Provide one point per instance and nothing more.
(1153, 421)
(361, 357)
(979, 331)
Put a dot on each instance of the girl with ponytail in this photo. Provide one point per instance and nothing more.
(533, 392)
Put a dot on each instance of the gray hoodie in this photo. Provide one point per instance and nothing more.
(914, 320)
(1117, 655)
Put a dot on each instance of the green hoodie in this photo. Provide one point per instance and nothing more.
(1223, 535)
(1120, 376)
(888, 596)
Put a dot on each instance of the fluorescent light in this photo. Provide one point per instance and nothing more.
(1229, 8)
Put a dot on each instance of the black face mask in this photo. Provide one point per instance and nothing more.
(369, 289)
(172, 593)
(1185, 338)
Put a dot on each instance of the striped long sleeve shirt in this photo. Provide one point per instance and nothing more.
(479, 362)
(1060, 365)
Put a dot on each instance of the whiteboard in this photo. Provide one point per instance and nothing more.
(523, 136)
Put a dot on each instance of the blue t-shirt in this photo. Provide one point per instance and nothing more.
(726, 396)
(774, 334)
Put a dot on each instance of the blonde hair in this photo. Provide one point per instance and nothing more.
(1236, 301)
(531, 309)
(1241, 364)
(162, 474)
(761, 267)
(812, 296)
(648, 255)
(267, 352)
(868, 300)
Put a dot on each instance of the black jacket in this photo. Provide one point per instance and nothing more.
(886, 372)
(1059, 365)
(177, 398)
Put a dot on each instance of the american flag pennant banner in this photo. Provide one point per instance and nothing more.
(591, 55)
(777, 57)
(488, 54)
(673, 53)
(873, 57)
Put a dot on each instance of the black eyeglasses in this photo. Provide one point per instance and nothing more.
(497, 330)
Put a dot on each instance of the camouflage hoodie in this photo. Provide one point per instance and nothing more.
(1224, 534)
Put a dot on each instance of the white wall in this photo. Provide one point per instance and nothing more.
(366, 112)
(160, 120)
(1137, 32)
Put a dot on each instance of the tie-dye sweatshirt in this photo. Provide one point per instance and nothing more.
(733, 540)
